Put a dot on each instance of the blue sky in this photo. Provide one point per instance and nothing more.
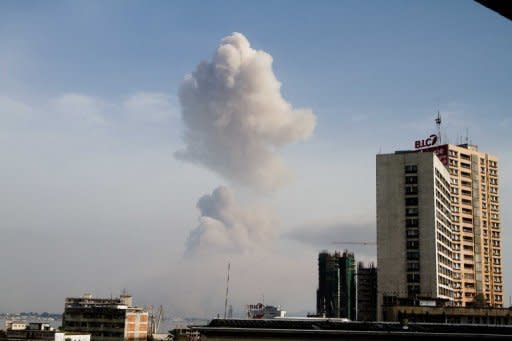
(374, 74)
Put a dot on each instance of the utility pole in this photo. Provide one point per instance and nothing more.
(227, 292)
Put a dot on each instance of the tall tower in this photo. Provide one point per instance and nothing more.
(414, 234)
(453, 201)
(475, 208)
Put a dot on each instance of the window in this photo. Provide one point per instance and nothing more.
(413, 244)
(467, 239)
(413, 290)
(465, 183)
(411, 201)
(411, 179)
(411, 211)
(411, 222)
(411, 169)
(413, 255)
(411, 189)
(413, 266)
(413, 278)
(412, 233)
(466, 202)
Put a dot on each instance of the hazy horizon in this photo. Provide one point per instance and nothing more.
(146, 145)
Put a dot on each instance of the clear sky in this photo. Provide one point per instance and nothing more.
(94, 200)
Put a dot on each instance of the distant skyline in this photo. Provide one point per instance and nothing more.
(94, 200)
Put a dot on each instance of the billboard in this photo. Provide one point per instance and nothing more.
(441, 151)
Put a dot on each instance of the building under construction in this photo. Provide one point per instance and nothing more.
(366, 292)
(336, 292)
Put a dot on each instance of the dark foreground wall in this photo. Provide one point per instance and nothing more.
(326, 329)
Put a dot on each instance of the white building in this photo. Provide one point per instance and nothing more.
(15, 325)
(72, 337)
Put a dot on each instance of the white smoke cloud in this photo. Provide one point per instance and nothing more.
(236, 117)
(225, 226)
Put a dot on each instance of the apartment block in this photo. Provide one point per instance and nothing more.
(106, 319)
(33, 331)
(438, 226)
(475, 209)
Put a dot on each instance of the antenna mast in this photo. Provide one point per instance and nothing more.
(227, 292)
(438, 124)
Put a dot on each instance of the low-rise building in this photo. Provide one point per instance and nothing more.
(72, 337)
(35, 331)
(432, 311)
(15, 325)
(338, 329)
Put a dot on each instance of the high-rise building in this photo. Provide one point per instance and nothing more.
(438, 227)
(106, 319)
(414, 252)
(475, 209)
(366, 292)
(336, 285)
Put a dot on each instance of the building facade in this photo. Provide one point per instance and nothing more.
(475, 208)
(401, 311)
(106, 319)
(414, 234)
(336, 285)
(34, 331)
(366, 292)
(438, 226)
(72, 337)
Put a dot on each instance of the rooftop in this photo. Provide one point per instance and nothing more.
(332, 328)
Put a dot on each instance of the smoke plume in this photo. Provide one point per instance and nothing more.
(225, 226)
(236, 118)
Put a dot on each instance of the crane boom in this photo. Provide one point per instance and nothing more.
(355, 243)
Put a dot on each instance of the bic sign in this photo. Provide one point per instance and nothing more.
(432, 139)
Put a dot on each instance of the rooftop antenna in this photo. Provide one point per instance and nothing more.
(227, 292)
(438, 125)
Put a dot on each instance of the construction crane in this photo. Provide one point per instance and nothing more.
(355, 243)
(156, 320)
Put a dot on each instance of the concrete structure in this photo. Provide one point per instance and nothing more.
(336, 285)
(443, 210)
(106, 319)
(414, 252)
(334, 329)
(15, 325)
(34, 331)
(416, 312)
(72, 337)
(475, 209)
(366, 292)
